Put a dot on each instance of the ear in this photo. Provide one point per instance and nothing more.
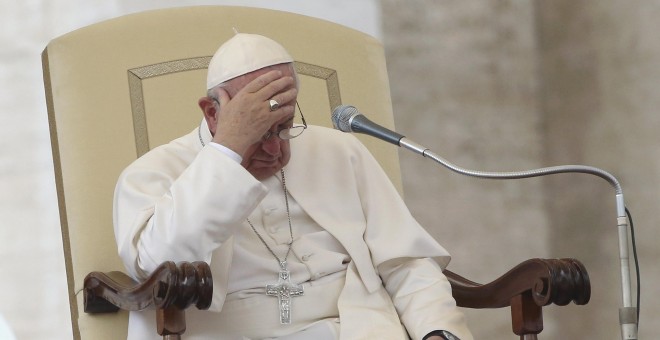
(210, 112)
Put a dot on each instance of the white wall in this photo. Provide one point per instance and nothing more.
(33, 294)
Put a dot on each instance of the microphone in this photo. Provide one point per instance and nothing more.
(347, 118)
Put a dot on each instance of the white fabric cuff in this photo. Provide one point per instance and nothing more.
(227, 151)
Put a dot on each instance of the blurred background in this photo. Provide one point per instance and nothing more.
(491, 85)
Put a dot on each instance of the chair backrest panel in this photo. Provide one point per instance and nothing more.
(121, 87)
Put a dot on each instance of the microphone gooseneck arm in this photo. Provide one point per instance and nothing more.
(410, 145)
(627, 313)
(348, 119)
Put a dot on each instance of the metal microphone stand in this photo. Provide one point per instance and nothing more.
(628, 312)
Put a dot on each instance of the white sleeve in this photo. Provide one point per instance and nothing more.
(168, 210)
(227, 151)
(422, 296)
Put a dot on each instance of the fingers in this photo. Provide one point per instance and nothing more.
(271, 86)
(262, 81)
(268, 84)
(282, 113)
(244, 117)
(284, 99)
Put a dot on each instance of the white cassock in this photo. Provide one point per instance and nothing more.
(358, 251)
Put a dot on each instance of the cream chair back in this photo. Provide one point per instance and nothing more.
(121, 87)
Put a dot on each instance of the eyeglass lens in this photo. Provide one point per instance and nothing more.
(291, 132)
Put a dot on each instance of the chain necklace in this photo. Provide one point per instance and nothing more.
(199, 134)
(288, 215)
(284, 289)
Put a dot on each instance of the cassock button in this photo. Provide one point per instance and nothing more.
(306, 257)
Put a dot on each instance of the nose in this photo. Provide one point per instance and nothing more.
(271, 145)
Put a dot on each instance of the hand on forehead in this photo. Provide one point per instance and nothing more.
(269, 84)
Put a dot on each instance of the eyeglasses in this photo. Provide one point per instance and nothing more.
(288, 133)
(285, 133)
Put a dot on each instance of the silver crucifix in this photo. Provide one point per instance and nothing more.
(284, 290)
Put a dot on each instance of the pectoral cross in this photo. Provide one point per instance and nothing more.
(284, 290)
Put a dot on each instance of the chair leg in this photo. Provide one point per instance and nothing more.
(171, 323)
(527, 316)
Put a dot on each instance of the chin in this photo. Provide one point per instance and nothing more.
(263, 173)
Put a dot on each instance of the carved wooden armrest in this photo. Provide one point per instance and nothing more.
(170, 289)
(527, 288)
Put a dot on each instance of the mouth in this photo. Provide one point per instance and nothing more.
(266, 162)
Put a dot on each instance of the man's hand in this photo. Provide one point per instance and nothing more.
(245, 118)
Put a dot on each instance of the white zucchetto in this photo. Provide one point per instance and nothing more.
(242, 54)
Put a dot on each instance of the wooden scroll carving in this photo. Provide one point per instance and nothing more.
(170, 289)
(173, 288)
(527, 288)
